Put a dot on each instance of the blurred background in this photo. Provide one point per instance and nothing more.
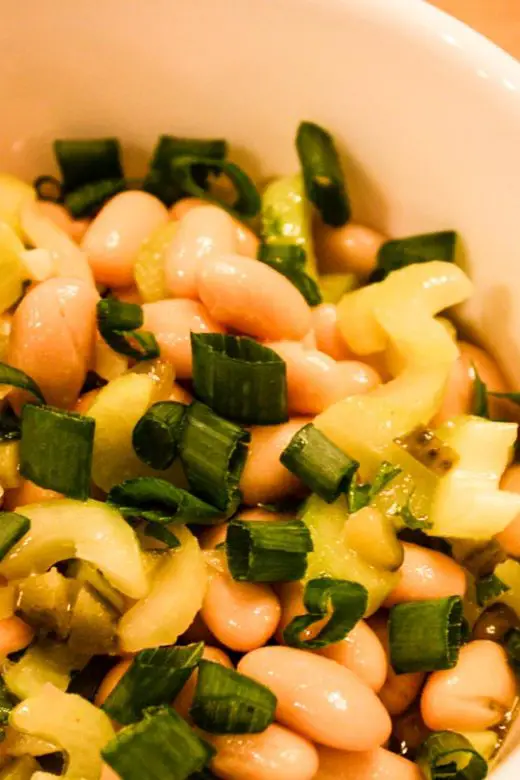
(499, 20)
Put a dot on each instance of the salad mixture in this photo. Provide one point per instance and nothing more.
(260, 508)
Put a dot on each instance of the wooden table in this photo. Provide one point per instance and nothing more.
(497, 19)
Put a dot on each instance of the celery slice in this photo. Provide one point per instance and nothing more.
(149, 263)
(23, 768)
(13, 193)
(92, 531)
(45, 662)
(12, 271)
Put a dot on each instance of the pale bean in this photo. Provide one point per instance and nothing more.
(320, 699)
(172, 322)
(117, 232)
(274, 754)
(509, 539)
(458, 395)
(399, 690)
(53, 335)
(180, 395)
(74, 228)
(378, 764)
(427, 574)
(27, 493)
(246, 241)
(204, 233)
(252, 298)
(107, 773)
(328, 335)
(15, 635)
(184, 698)
(241, 615)
(351, 248)
(474, 695)
(111, 679)
(264, 479)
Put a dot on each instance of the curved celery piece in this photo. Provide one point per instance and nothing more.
(9, 462)
(396, 315)
(467, 502)
(12, 272)
(149, 263)
(287, 217)
(70, 722)
(178, 588)
(90, 530)
(43, 663)
(13, 194)
(23, 768)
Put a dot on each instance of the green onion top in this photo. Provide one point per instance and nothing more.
(157, 433)
(347, 601)
(83, 161)
(479, 403)
(16, 378)
(271, 551)
(401, 252)
(289, 260)
(320, 465)
(446, 755)
(213, 453)
(324, 181)
(87, 200)
(56, 449)
(155, 677)
(227, 702)
(489, 588)
(118, 323)
(425, 635)
(239, 378)
(161, 746)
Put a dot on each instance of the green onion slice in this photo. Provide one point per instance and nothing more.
(513, 648)
(489, 588)
(48, 188)
(239, 378)
(56, 449)
(157, 434)
(213, 454)
(425, 635)
(479, 404)
(320, 465)
(16, 378)
(324, 180)
(184, 169)
(360, 495)
(514, 397)
(87, 200)
(85, 161)
(412, 521)
(118, 323)
(346, 600)
(155, 677)
(12, 527)
(158, 501)
(163, 534)
(385, 474)
(271, 551)
(289, 260)
(227, 702)
(415, 249)
(161, 746)
(446, 755)
(10, 429)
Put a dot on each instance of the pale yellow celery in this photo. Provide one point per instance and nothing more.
(396, 315)
(9, 459)
(108, 364)
(334, 286)
(70, 722)
(16, 744)
(149, 263)
(13, 194)
(176, 596)
(12, 271)
(90, 530)
(5, 332)
(7, 601)
(484, 742)
(43, 663)
(467, 503)
(335, 554)
(23, 768)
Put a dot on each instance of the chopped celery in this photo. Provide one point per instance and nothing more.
(93, 624)
(16, 744)
(509, 573)
(86, 572)
(286, 217)
(372, 535)
(45, 662)
(44, 601)
(10, 465)
(71, 723)
(484, 742)
(336, 556)
(334, 286)
(89, 530)
(12, 271)
(22, 768)
(178, 588)
(149, 263)
(7, 600)
(13, 193)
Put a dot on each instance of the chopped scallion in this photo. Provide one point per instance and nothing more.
(513, 648)
(213, 453)
(271, 551)
(324, 180)
(401, 252)
(360, 495)
(184, 169)
(16, 378)
(514, 397)
(322, 466)
(10, 429)
(155, 677)
(161, 745)
(239, 378)
(488, 588)
(56, 449)
(227, 702)
(87, 200)
(425, 635)
(158, 501)
(118, 323)
(163, 534)
(289, 260)
(347, 601)
(385, 474)
(479, 404)
(157, 434)
(412, 521)
(85, 161)
(446, 755)
(12, 527)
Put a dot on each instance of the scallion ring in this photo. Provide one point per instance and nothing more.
(118, 325)
(247, 202)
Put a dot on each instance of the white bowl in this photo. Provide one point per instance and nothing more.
(427, 111)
